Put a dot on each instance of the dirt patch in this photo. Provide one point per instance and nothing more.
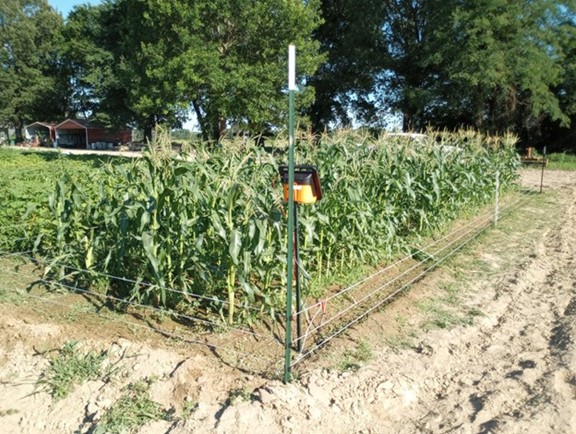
(486, 343)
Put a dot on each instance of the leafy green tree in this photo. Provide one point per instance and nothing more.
(490, 64)
(30, 36)
(410, 32)
(87, 63)
(246, 44)
(351, 41)
(224, 59)
(503, 63)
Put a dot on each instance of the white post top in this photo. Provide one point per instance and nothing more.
(292, 67)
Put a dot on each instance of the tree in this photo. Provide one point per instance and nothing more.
(29, 62)
(556, 134)
(506, 60)
(244, 81)
(225, 59)
(490, 64)
(351, 41)
(411, 32)
(87, 63)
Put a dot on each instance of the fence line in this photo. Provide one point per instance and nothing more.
(381, 302)
(390, 282)
(395, 264)
(184, 336)
(479, 225)
(393, 294)
(388, 267)
(11, 240)
(46, 261)
(16, 254)
(150, 308)
(17, 225)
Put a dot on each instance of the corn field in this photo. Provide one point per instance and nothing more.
(206, 232)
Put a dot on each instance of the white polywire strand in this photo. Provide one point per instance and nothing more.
(393, 265)
(483, 224)
(396, 278)
(152, 308)
(390, 296)
(13, 240)
(155, 309)
(148, 284)
(16, 254)
(16, 225)
(186, 335)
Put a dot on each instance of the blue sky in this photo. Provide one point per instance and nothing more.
(65, 6)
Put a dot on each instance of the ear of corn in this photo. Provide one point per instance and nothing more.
(214, 225)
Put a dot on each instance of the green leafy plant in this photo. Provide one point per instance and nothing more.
(237, 395)
(561, 161)
(207, 232)
(354, 358)
(69, 368)
(131, 411)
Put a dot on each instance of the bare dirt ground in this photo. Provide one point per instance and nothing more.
(484, 344)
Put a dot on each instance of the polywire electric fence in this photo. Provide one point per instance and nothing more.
(249, 350)
(372, 299)
(256, 349)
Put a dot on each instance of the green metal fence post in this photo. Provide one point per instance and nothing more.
(290, 254)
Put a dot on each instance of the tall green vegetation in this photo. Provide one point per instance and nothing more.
(152, 62)
(213, 225)
(26, 180)
(350, 39)
(29, 70)
(495, 65)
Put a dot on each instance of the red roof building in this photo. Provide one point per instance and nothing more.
(82, 134)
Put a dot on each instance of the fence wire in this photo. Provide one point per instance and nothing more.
(435, 252)
(181, 334)
(243, 349)
(479, 225)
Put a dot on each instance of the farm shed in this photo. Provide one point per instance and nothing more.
(76, 133)
(40, 133)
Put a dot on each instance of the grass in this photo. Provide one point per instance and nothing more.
(353, 359)
(71, 368)
(561, 161)
(439, 315)
(497, 250)
(132, 410)
(14, 279)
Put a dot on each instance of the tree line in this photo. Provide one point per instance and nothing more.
(493, 65)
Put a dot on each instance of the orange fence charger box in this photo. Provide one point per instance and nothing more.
(307, 188)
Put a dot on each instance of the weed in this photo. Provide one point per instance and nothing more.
(401, 342)
(353, 359)
(188, 408)
(439, 316)
(475, 312)
(132, 410)
(452, 293)
(239, 394)
(402, 321)
(9, 412)
(561, 161)
(78, 310)
(70, 368)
